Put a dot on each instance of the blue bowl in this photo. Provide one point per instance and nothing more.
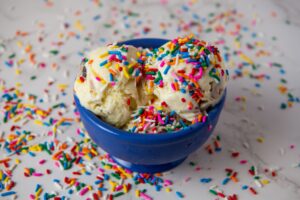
(149, 153)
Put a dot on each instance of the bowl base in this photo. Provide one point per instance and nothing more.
(148, 168)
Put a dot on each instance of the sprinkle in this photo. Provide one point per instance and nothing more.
(179, 195)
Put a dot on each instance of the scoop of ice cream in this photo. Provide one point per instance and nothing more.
(187, 74)
(107, 84)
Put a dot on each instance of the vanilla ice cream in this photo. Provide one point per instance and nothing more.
(107, 84)
(189, 76)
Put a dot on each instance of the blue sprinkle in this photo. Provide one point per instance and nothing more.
(179, 194)
(167, 69)
(103, 63)
(96, 17)
(183, 90)
(244, 187)
(225, 181)
(31, 154)
(205, 180)
(5, 194)
(282, 71)
(111, 78)
(114, 52)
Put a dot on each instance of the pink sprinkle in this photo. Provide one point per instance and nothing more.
(160, 119)
(112, 57)
(101, 170)
(42, 161)
(187, 179)
(200, 73)
(149, 77)
(31, 196)
(204, 118)
(37, 174)
(119, 187)
(173, 86)
(162, 63)
(146, 126)
(243, 162)
(56, 164)
(145, 196)
(84, 191)
(168, 182)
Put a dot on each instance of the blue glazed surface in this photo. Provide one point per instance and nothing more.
(147, 152)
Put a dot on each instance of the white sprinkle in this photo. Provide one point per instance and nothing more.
(258, 183)
(58, 185)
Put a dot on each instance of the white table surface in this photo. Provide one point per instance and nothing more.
(270, 26)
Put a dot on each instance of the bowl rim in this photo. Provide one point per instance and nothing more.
(126, 135)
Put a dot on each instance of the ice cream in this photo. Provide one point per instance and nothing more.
(189, 76)
(108, 83)
(152, 91)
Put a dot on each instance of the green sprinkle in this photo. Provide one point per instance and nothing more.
(213, 192)
(118, 194)
(54, 52)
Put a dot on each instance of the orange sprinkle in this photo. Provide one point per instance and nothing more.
(90, 61)
(112, 71)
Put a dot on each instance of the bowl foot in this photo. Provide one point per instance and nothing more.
(148, 168)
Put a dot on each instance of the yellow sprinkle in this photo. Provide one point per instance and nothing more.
(21, 138)
(38, 193)
(88, 157)
(18, 71)
(60, 35)
(246, 59)
(107, 167)
(38, 122)
(79, 26)
(104, 54)
(62, 86)
(260, 139)
(125, 188)
(168, 190)
(201, 50)
(125, 72)
(90, 187)
(1, 175)
(18, 118)
(113, 185)
(94, 152)
(107, 65)
(6, 179)
(21, 61)
(18, 84)
(260, 44)
(17, 161)
(265, 182)
(19, 43)
(137, 193)
(138, 54)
